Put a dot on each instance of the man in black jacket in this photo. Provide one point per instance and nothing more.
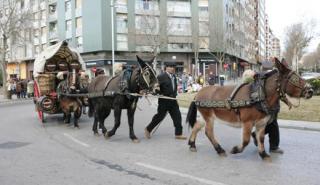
(168, 87)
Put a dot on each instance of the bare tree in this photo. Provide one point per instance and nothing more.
(148, 30)
(311, 60)
(298, 38)
(15, 18)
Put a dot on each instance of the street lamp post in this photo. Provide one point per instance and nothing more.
(112, 35)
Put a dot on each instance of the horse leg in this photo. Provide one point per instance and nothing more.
(117, 119)
(130, 112)
(260, 138)
(212, 139)
(76, 116)
(246, 134)
(103, 116)
(95, 125)
(192, 139)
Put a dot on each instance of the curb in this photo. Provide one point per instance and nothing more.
(15, 101)
(287, 124)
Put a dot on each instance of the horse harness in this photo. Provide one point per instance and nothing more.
(257, 96)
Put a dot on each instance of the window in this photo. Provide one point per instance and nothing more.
(203, 28)
(68, 6)
(52, 8)
(37, 49)
(203, 42)
(44, 31)
(147, 4)
(78, 4)
(43, 15)
(68, 25)
(147, 24)
(179, 26)
(22, 4)
(179, 6)
(78, 22)
(122, 23)
(122, 42)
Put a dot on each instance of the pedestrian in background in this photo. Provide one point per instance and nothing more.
(184, 81)
(211, 78)
(168, 87)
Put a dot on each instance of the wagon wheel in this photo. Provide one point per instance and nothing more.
(37, 94)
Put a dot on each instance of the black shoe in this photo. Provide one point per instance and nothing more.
(277, 150)
(253, 134)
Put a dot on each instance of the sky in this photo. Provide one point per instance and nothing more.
(283, 13)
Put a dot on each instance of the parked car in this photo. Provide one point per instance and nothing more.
(310, 75)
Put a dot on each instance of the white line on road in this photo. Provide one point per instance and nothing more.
(76, 140)
(171, 172)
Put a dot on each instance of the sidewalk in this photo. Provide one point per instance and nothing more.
(14, 99)
(290, 124)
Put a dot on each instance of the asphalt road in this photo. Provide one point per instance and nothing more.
(53, 153)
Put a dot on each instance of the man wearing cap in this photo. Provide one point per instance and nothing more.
(168, 87)
(272, 127)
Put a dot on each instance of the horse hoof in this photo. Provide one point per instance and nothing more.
(96, 134)
(106, 136)
(235, 150)
(135, 140)
(193, 149)
(77, 127)
(266, 157)
(222, 154)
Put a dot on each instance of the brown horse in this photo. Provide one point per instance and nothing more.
(277, 83)
(69, 104)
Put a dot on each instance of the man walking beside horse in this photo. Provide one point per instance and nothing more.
(168, 87)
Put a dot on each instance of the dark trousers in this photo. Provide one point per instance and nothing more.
(272, 129)
(165, 106)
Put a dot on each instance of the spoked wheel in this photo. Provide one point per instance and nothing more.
(37, 95)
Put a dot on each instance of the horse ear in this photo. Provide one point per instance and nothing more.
(282, 66)
(141, 63)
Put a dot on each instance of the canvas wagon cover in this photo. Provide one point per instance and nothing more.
(61, 50)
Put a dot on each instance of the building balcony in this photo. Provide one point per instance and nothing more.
(68, 34)
(121, 9)
(53, 16)
(78, 32)
(52, 1)
(78, 12)
(179, 14)
(147, 12)
(68, 15)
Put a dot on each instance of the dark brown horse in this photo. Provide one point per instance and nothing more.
(140, 80)
(277, 83)
(70, 104)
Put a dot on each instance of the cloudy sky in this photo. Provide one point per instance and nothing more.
(283, 13)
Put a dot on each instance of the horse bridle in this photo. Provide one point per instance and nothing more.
(293, 79)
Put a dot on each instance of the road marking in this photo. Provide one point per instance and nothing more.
(76, 140)
(172, 172)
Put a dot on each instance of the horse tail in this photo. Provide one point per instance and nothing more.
(91, 108)
(192, 114)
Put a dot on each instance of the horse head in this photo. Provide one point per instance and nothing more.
(148, 80)
(291, 83)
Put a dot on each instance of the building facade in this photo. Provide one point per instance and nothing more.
(229, 31)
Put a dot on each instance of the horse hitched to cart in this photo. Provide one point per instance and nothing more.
(58, 85)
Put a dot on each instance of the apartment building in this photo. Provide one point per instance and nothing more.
(174, 30)
(260, 30)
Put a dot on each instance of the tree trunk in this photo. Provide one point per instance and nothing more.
(4, 67)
